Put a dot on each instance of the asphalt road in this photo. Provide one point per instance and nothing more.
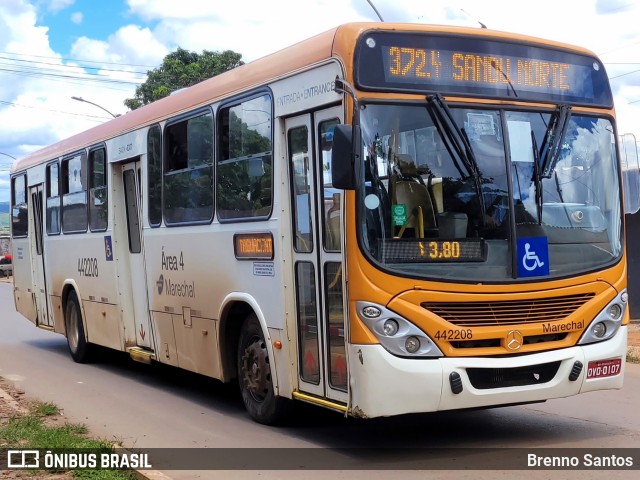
(144, 406)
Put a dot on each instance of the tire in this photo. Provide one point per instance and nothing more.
(254, 376)
(79, 348)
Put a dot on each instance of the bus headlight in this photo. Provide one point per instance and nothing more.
(412, 344)
(599, 330)
(615, 311)
(607, 322)
(396, 334)
(390, 327)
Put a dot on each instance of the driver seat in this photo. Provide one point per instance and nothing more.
(409, 191)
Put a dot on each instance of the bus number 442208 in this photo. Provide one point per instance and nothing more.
(88, 267)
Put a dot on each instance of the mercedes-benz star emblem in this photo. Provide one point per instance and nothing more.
(514, 340)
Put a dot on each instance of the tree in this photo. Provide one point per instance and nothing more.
(182, 69)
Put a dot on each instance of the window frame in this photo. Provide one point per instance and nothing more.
(65, 189)
(24, 205)
(221, 160)
(152, 201)
(48, 196)
(91, 187)
(166, 139)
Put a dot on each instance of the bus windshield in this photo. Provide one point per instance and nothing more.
(475, 194)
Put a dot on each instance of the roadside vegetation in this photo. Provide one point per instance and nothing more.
(40, 426)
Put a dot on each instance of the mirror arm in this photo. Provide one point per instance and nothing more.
(344, 87)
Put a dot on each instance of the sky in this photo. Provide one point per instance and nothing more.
(100, 50)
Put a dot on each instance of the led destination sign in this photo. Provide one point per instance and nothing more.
(253, 246)
(433, 250)
(471, 66)
(415, 64)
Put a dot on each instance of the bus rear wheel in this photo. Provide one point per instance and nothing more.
(254, 376)
(79, 348)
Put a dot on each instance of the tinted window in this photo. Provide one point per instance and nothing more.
(53, 199)
(244, 168)
(19, 218)
(74, 194)
(98, 205)
(188, 171)
(300, 173)
(154, 175)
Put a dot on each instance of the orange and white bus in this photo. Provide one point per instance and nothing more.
(381, 219)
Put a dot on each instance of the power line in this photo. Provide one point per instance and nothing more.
(35, 69)
(624, 74)
(619, 48)
(89, 117)
(81, 60)
(77, 80)
(41, 73)
(62, 65)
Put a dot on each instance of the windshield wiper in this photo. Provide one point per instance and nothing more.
(545, 159)
(552, 142)
(457, 143)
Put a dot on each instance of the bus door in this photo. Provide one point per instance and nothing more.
(317, 254)
(36, 247)
(131, 182)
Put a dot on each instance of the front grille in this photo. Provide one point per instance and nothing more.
(485, 378)
(472, 314)
(496, 342)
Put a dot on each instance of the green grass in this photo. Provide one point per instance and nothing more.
(31, 431)
(45, 409)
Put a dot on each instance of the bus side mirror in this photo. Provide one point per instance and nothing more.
(630, 173)
(343, 155)
(631, 183)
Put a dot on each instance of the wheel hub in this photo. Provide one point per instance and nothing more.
(256, 372)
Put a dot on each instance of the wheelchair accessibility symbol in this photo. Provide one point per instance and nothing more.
(533, 253)
(530, 260)
(108, 249)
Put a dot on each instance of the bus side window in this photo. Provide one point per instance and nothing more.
(333, 223)
(331, 211)
(154, 175)
(19, 208)
(244, 169)
(298, 147)
(188, 171)
(98, 194)
(74, 194)
(53, 199)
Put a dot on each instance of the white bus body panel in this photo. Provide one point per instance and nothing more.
(379, 379)
(191, 270)
(127, 146)
(98, 294)
(23, 279)
(306, 91)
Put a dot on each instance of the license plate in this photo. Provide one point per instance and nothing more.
(604, 368)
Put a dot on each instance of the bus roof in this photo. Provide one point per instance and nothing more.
(337, 42)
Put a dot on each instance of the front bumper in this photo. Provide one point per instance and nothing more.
(383, 384)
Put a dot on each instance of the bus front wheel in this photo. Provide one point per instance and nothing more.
(78, 346)
(255, 377)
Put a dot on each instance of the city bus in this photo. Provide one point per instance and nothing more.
(379, 220)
